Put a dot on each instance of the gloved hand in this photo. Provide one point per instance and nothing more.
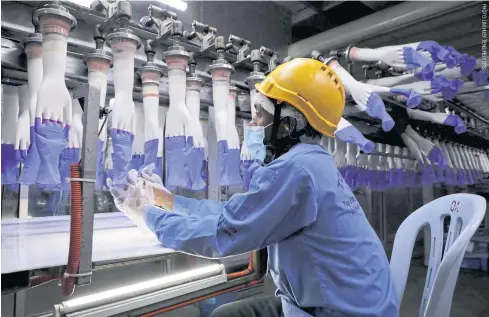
(68, 156)
(28, 174)
(132, 198)
(153, 179)
(51, 138)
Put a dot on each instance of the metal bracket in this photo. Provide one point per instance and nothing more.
(201, 34)
(119, 15)
(88, 168)
(162, 20)
(272, 55)
(239, 46)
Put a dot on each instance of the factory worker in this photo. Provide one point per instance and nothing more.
(323, 255)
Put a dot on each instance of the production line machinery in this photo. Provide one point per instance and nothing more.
(211, 66)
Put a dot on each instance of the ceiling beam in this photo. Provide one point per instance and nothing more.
(312, 10)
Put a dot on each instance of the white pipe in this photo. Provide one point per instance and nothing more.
(384, 21)
(220, 93)
(97, 75)
(178, 115)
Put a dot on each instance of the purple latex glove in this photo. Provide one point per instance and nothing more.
(204, 173)
(29, 172)
(439, 173)
(99, 174)
(175, 155)
(122, 156)
(467, 64)
(361, 177)
(372, 179)
(159, 167)
(461, 177)
(448, 88)
(10, 165)
(414, 99)
(150, 152)
(455, 121)
(393, 175)
(195, 160)
(232, 175)
(375, 106)
(438, 52)
(351, 175)
(222, 158)
(428, 175)
(350, 134)
(51, 140)
(247, 168)
(436, 156)
(137, 162)
(414, 59)
(480, 78)
(453, 58)
(68, 156)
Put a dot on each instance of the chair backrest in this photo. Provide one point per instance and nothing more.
(466, 212)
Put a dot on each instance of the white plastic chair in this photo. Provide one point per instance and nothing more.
(466, 212)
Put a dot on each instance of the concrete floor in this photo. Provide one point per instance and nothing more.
(471, 298)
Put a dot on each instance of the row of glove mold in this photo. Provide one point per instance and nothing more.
(392, 166)
(46, 149)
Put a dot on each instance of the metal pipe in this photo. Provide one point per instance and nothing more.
(390, 19)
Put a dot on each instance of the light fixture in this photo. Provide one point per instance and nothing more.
(140, 288)
(176, 4)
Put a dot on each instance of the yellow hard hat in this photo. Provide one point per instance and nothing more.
(312, 88)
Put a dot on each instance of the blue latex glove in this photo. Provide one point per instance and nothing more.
(455, 121)
(150, 152)
(204, 173)
(222, 159)
(467, 64)
(99, 176)
(122, 145)
(480, 78)
(438, 52)
(436, 156)
(376, 109)
(68, 156)
(159, 167)
(10, 168)
(51, 140)
(175, 155)
(137, 162)
(351, 174)
(195, 161)
(414, 99)
(28, 174)
(362, 177)
(448, 88)
(350, 134)
(246, 173)
(428, 175)
(453, 58)
(233, 176)
(414, 59)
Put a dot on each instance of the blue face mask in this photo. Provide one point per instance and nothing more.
(254, 140)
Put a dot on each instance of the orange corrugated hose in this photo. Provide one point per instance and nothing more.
(68, 284)
(231, 276)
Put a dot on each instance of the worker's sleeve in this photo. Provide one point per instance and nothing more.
(280, 202)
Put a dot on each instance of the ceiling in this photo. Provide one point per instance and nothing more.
(312, 17)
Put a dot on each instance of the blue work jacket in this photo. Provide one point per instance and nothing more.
(324, 257)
